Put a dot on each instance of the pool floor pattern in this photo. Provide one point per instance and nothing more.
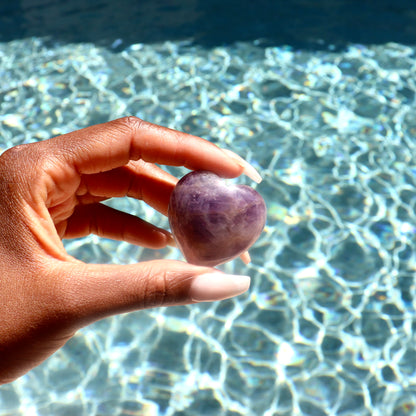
(328, 326)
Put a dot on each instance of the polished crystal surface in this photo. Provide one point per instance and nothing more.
(214, 222)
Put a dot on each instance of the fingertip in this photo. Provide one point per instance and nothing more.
(168, 238)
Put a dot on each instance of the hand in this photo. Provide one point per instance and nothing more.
(52, 190)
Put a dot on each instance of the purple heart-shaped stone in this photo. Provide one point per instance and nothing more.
(213, 222)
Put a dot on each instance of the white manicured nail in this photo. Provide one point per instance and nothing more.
(248, 169)
(209, 287)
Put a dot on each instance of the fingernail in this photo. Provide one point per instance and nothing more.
(170, 239)
(248, 169)
(245, 257)
(209, 287)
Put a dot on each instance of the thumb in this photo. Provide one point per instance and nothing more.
(95, 291)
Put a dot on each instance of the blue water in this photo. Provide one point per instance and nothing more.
(328, 327)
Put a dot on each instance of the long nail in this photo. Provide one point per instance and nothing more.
(210, 287)
(248, 169)
(170, 240)
(245, 257)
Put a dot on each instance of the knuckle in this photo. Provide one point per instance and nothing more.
(154, 284)
(21, 168)
(21, 157)
(132, 126)
(166, 286)
(155, 291)
(132, 123)
(11, 158)
(13, 166)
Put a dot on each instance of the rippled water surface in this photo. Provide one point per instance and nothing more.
(328, 327)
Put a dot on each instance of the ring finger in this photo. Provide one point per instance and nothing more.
(110, 223)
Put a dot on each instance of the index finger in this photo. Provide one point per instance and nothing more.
(110, 145)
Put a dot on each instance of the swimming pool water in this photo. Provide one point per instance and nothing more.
(328, 327)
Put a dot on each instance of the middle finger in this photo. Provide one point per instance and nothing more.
(138, 179)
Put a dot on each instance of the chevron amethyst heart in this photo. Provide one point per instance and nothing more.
(213, 222)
